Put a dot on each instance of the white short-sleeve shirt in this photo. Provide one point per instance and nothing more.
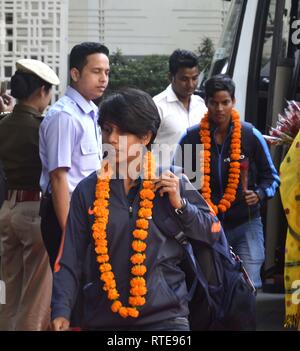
(175, 118)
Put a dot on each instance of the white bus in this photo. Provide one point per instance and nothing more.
(260, 50)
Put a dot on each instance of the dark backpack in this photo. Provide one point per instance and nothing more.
(221, 296)
(3, 184)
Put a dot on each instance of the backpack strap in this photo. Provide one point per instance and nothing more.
(199, 275)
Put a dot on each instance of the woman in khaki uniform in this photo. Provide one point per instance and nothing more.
(25, 269)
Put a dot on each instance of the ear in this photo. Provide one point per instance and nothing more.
(75, 74)
(146, 138)
(43, 92)
(170, 77)
(233, 101)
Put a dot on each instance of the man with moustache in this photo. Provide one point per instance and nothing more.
(70, 140)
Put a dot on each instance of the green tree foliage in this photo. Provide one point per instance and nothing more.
(205, 52)
(149, 73)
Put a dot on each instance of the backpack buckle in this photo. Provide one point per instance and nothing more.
(181, 238)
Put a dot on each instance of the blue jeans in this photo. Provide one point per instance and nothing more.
(247, 241)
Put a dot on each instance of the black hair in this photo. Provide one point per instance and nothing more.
(182, 59)
(23, 84)
(133, 111)
(79, 53)
(219, 82)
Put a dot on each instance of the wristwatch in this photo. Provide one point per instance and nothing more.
(180, 210)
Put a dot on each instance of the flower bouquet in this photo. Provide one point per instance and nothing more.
(287, 126)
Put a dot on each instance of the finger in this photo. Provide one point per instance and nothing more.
(167, 189)
(169, 175)
(165, 183)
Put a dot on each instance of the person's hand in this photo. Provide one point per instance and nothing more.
(251, 197)
(168, 183)
(60, 324)
(7, 103)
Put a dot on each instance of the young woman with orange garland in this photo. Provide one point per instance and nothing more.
(117, 247)
(238, 172)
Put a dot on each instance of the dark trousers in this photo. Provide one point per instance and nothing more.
(51, 231)
(52, 234)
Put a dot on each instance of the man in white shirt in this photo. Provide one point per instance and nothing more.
(178, 107)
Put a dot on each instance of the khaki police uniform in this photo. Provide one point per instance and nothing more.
(25, 267)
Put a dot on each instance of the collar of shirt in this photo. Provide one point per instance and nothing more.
(87, 107)
(172, 97)
(20, 110)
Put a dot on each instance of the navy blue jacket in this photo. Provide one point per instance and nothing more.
(262, 175)
(165, 280)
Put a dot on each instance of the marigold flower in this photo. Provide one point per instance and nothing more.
(222, 208)
(99, 235)
(205, 189)
(234, 170)
(101, 203)
(207, 153)
(105, 267)
(138, 291)
(229, 197)
(112, 294)
(123, 312)
(109, 284)
(137, 281)
(132, 312)
(205, 133)
(102, 258)
(206, 140)
(236, 135)
(145, 212)
(138, 246)
(225, 203)
(230, 191)
(101, 250)
(107, 276)
(116, 306)
(101, 242)
(137, 258)
(148, 184)
(139, 269)
(146, 203)
(140, 234)
(142, 223)
(137, 301)
(147, 194)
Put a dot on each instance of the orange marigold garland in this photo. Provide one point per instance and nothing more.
(137, 283)
(234, 167)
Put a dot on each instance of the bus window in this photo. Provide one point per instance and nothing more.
(225, 50)
(267, 48)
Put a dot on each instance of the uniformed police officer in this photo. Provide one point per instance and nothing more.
(25, 266)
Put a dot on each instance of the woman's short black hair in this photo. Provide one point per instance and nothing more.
(132, 110)
(24, 84)
(217, 83)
